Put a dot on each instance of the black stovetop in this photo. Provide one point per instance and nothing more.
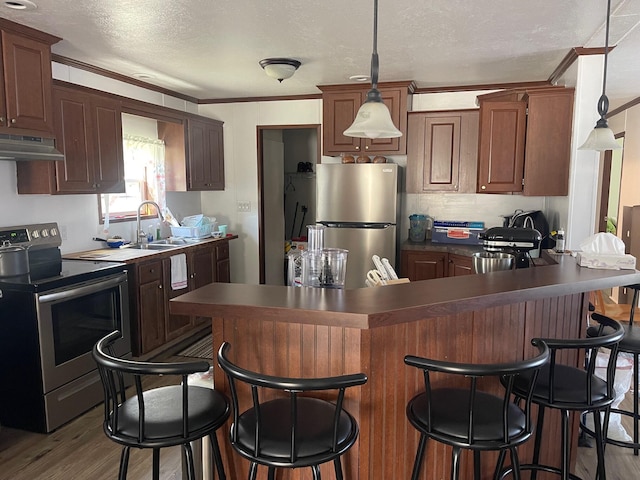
(54, 275)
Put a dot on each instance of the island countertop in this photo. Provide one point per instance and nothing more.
(377, 306)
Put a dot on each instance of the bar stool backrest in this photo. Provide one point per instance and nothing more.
(293, 387)
(506, 372)
(610, 332)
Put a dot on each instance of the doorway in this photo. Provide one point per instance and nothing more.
(287, 159)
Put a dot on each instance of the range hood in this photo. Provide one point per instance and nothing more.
(22, 147)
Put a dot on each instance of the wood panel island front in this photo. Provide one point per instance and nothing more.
(488, 318)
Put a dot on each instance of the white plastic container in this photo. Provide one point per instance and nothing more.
(202, 231)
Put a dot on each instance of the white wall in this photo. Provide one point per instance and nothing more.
(241, 171)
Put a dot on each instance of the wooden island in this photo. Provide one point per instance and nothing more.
(319, 332)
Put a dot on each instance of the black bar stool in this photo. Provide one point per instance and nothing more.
(159, 417)
(568, 388)
(468, 418)
(292, 431)
(630, 343)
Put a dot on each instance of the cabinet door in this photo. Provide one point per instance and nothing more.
(27, 84)
(151, 306)
(338, 111)
(460, 265)
(223, 273)
(501, 149)
(422, 265)
(442, 152)
(206, 156)
(548, 149)
(202, 273)
(75, 173)
(176, 325)
(108, 157)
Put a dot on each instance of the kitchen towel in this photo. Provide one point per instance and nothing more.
(179, 271)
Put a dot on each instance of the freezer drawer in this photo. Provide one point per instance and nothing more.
(362, 244)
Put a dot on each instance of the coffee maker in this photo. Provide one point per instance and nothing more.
(517, 241)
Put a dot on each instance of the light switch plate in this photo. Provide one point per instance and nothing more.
(244, 206)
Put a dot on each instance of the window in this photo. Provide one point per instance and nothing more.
(144, 180)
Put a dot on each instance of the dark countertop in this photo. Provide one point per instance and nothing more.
(134, 255)
(394, 304)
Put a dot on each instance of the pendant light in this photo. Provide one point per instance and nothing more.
(373, 119)
(601, 137)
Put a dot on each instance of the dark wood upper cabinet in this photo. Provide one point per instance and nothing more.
(205, 168)
(340, 104)
(442, 151)
(89, 134)
(548, 143)
(525, 141)
(501, 150)
(194, 154)
(25, 96)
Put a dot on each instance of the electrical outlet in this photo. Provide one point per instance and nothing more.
(244, 206)
(63, 232)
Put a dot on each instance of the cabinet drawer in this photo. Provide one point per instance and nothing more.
(222, 251)
(150, 272)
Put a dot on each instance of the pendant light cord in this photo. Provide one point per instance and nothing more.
(374, 55)
(603, 102)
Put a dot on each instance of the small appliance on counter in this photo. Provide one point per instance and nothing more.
(531, 219)
(517, 241)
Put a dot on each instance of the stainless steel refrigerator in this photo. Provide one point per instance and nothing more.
(357, 203)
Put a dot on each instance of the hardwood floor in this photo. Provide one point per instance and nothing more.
(80, 451)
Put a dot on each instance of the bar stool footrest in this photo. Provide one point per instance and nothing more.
(611, 441)
(538, 468)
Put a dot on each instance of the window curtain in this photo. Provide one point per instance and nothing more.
(146, 158)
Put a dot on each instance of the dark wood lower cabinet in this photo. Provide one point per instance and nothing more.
(421, 265)
(426, 265)
(460, 265)
(150, 307)
(153, 325)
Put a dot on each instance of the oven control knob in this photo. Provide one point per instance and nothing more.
(54, 232)
(35, 234)
(45, 233)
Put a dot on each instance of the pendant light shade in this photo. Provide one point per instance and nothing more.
(373, 119)
(602, 138)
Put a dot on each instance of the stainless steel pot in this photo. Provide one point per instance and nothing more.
(14, 260)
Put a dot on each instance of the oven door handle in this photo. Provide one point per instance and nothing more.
(84, 289)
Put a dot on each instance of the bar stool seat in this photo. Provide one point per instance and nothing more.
(630, 343)
(568, 388)
(294, 430)
(470, 418)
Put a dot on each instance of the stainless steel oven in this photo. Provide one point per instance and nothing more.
(50, 320)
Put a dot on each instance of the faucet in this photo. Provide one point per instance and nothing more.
(139, 232)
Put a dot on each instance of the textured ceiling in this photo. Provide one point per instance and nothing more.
(210, 48)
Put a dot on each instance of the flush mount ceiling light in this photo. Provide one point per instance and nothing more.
(601, 137)
(280, 68)
(20, 5)
(373, 119)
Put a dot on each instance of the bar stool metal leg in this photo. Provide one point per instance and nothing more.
(455, 463)
(419, 456)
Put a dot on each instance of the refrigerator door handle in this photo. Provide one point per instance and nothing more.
(356, 225)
